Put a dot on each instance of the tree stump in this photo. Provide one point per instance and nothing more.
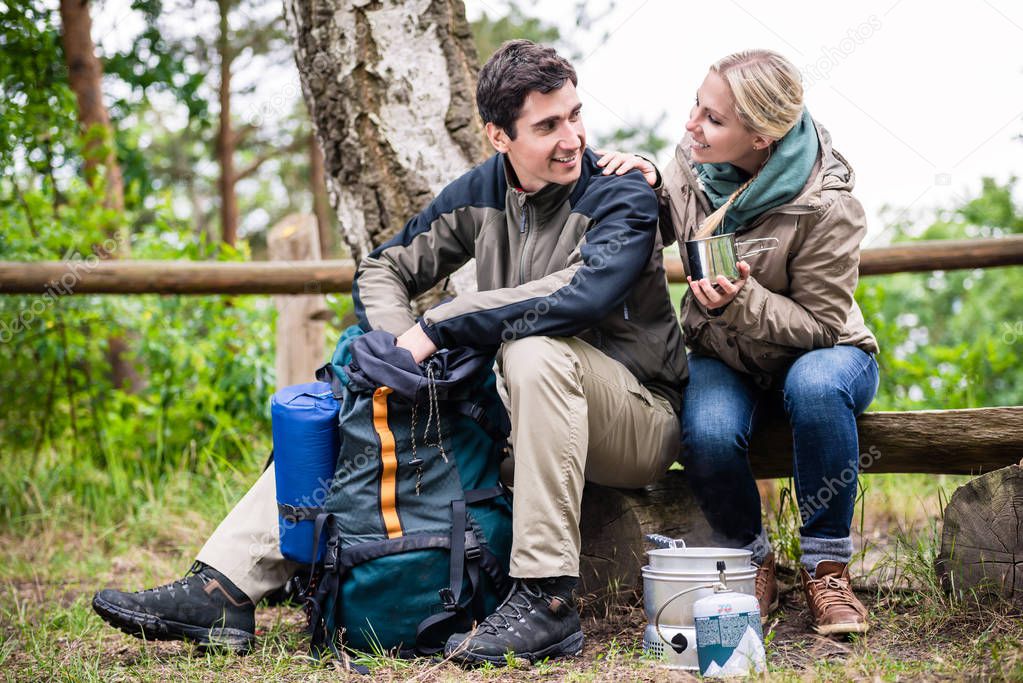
(614, 522)
(982, 539)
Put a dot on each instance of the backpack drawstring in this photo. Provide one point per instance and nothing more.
(431, 391)
(433, 410)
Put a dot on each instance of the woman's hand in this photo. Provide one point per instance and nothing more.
(720, 294)
(622, 162)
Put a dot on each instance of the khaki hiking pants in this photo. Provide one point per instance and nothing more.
(577, 415)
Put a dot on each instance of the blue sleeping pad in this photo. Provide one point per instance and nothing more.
(306, 444)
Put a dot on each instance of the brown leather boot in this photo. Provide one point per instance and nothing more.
(833, 606)
(767, 587)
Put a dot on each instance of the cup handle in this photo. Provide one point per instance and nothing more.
(761, 249)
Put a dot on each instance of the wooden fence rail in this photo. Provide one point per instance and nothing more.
(321, 277)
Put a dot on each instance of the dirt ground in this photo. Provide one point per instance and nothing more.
(909, 640)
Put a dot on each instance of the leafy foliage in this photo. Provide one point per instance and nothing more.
(207, 364)
(951, 340)
(489, 33)
(37, 107)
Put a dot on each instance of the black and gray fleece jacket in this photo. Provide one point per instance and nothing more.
(580, 260)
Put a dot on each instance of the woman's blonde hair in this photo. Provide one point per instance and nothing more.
(768, 94)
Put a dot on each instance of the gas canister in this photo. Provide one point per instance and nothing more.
(729, 638)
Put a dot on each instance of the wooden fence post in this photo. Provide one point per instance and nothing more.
(300, 330)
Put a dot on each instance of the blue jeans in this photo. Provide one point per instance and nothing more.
(822, 393)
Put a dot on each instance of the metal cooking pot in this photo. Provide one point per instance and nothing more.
(718, 254)
(699, 560)
(658, 587)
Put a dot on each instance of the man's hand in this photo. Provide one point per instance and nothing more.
(622, 162)
(415, 341)
(720, 294)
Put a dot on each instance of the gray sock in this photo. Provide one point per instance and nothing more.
(817, 549)
(760, 546)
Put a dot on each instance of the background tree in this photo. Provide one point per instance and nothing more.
(230, 59)
(85, 76)
(389, 88)
(489, 32)
(257, 35)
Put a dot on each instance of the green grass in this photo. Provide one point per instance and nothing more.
(57, 555)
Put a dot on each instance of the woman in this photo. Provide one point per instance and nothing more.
(786, 335)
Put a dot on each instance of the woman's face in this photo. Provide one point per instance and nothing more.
(717, 133)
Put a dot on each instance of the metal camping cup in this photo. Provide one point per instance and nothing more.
(717, 255)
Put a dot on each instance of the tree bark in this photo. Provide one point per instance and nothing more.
(225, 134)
(614, 523)
(390, 90)
(85, 76)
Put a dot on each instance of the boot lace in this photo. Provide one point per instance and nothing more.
(833, 591)
(182, 583)
(514, 607)
(760, 582)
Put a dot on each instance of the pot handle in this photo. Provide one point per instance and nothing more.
(662, 541)
(676, 596)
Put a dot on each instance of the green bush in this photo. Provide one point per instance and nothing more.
(205, 363)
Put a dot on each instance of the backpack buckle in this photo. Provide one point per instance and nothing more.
(447, 598)
(473, 551)
(477, 413)
(330, 557)
(289, 512)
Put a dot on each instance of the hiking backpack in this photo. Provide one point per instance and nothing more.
(414, 535)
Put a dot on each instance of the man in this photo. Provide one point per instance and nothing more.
(573, 296)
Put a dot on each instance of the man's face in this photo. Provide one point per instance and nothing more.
(549, 140)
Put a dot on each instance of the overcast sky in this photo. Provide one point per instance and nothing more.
(923, 98)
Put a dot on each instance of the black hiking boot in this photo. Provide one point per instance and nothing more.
(537, 620)
(204, 607)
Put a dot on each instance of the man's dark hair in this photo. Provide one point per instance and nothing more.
(518, 68)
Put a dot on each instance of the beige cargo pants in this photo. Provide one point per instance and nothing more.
(577, 415)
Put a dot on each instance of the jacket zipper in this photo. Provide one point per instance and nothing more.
(524, 230)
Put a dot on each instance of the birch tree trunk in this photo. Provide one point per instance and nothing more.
(390, 88)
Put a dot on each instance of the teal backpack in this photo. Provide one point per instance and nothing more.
(417, 524)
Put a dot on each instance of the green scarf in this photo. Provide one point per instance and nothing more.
(779, 181)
